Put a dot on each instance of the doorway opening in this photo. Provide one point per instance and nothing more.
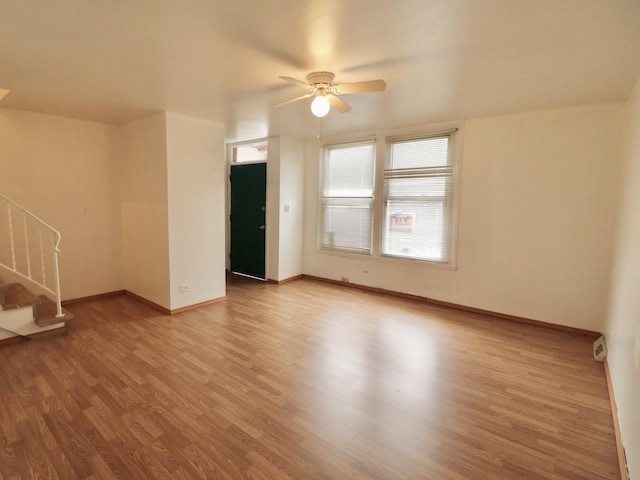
(247, 209)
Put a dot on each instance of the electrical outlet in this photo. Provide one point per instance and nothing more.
(185, 287)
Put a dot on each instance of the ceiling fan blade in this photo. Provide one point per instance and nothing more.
(297, 82)
(338, 103)
(306, 95)
(360, 87)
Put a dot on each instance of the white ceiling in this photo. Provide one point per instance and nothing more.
(115, 61)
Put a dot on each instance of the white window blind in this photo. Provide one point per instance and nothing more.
(347, 197)
(418, 199)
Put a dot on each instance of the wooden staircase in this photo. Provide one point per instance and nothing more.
(23, 314)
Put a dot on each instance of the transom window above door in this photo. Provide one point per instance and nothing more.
(249, 152)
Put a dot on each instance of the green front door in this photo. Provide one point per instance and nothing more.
(248, 226)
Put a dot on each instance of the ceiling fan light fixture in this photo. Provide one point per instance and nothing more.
(327, 94)
(320, 106)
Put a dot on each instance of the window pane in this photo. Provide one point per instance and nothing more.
(418, 187)
(348, 171)
(416, 230)
(429, 152)
(250, 152)
(347, 197)
(347, 225)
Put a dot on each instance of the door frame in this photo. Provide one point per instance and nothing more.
(231, 161)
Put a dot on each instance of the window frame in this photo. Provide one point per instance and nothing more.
(447, 199)
(456, 131)
(231, 148)
(324, 152)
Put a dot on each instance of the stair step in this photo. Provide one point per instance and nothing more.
(15, 295)
(45, 312)
(27, 315)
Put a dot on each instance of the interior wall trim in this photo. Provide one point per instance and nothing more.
(622, 457)
(175, 311)
(285, 280)
(92, 297)
(145, 301)
(433, 301)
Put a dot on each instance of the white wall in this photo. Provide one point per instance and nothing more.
(67, 172)
(285, 207)
(537, 206)
(196, 171)
(108, 190)
(291, 208)
(144, 202)
(273, 210)
(623, 325)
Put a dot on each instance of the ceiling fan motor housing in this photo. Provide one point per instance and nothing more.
(321, 80)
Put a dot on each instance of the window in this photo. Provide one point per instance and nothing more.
(418, 186)
(347, 197)
(249, 152)
(392, 197)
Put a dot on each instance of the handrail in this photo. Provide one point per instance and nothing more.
(24, 253)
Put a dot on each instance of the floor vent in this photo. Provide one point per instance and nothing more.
(600, 349)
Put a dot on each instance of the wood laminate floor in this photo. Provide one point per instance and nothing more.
(305, 380)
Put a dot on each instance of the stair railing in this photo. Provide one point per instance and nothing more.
(22, 251)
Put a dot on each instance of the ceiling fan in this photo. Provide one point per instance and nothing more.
(326, 94)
